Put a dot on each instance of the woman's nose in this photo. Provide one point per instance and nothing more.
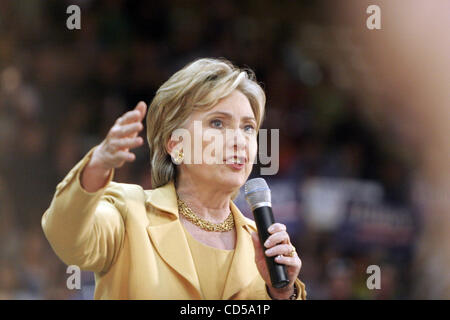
(238, 140)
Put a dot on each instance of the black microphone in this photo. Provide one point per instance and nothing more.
(257, 194)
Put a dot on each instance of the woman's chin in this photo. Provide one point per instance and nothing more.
(225, 177)
(232, 180)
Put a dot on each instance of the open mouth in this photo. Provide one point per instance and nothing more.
(236, 163)
(236, 160)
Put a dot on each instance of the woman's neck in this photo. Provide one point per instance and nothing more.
(207, 202)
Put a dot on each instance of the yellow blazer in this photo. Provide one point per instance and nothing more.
(132, 239)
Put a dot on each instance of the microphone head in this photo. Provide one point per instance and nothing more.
(257, 193)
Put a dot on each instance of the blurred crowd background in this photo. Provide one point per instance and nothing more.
(349, 185)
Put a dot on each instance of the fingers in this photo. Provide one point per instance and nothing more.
(277, 227)
(113, 152)
(130, 124)
(120, 131)
(281, 249)
(135, 115)
(142, 108)
(289, 261)
(125, 156)
(126, 143)
(277, 237)
(278, 245)
(129, 117)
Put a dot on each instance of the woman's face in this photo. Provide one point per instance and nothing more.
(227, 135)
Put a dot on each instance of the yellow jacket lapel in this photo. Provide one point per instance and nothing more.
(243, 268)
(167, 234)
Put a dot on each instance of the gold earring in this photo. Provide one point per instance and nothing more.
(179, 159)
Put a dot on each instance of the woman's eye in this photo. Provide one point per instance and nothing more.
(216, 123)
(249, 128)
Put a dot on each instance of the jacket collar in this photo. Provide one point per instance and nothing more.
(170, 241)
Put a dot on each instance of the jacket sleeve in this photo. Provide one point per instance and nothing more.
(86, 228)
(257, 290)
(301, 290)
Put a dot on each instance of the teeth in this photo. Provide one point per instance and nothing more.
(236, 161)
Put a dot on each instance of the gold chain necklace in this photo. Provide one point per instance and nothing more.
(224, 226)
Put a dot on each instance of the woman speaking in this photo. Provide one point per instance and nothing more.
(185, 238)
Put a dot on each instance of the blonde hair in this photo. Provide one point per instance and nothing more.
(198, 86)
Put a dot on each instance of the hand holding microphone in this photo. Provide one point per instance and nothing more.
(275, 256)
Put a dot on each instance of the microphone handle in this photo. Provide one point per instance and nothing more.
(264, 219)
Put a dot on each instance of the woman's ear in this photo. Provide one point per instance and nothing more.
(171, 145)
(179, 143)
